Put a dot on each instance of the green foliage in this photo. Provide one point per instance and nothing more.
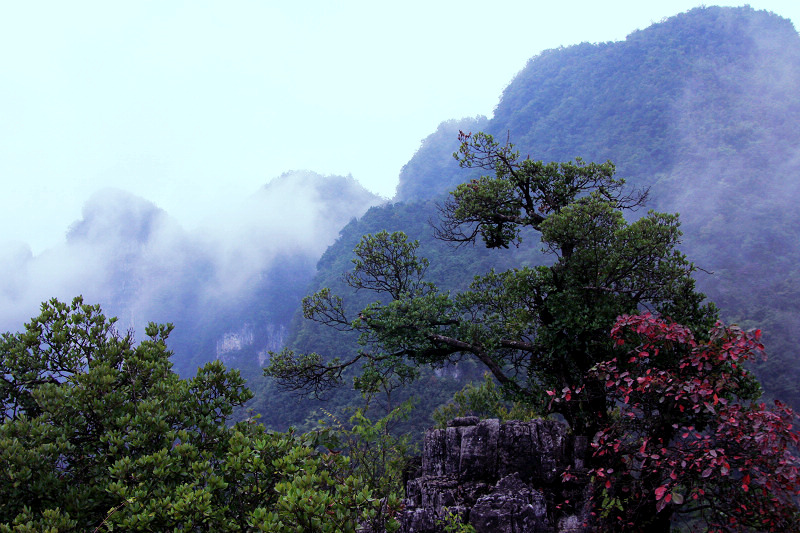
(385, 264)
(378, 458)
(533, 329)
(357, 484)
(316, 494)
(698, 107)
(484, 400)
(431, 169)
(449, 269)
(98, 434)
(454, 523)
(92, 421)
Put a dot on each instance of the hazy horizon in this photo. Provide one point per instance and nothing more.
(194, 108)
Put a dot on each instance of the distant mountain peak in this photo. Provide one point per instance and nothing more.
(627, 100)
(114, 214)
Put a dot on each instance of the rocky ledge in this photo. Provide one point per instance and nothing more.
(499, 478)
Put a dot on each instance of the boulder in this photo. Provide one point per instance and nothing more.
(499, 478)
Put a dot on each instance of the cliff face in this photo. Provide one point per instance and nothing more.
(499, 478)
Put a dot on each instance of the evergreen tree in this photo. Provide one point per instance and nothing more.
(534, 329)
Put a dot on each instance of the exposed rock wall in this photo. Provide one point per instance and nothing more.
(500, 478)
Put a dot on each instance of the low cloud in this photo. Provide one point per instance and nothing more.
(141, 265)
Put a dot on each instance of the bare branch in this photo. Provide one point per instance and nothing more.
(480, 353)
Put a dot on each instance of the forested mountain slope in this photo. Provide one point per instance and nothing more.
(701, 108)
(708, 82)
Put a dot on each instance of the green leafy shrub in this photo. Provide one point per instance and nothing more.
(484, 400)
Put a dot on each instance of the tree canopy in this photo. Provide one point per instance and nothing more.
(534, 329)
(98, 434)
(663, 418)
(696, 107)
(688, 442)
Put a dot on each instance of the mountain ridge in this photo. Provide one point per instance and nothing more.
(684, 108)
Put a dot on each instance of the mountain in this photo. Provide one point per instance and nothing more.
(700, 108)
(703, 83)
(229, 287)
(433, 165)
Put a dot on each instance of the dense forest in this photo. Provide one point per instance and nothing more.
(697, 110)
(495, 284)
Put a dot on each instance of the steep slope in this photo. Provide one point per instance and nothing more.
(433, 165)
(702, 109)
(721, 76)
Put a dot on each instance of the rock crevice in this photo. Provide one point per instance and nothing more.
(499, 478)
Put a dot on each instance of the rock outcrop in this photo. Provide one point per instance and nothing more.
(499, 478)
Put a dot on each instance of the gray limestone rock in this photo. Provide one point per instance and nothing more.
(512, 507)
(498, 477)
(479, 450)
(463, 421)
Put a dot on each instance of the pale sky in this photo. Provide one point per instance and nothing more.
(196, 104)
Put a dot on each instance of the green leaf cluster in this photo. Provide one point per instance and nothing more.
(700, 108)
(484, 400)
(99, 434)
(535, 329)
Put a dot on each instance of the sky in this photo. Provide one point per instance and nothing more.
(194, 105)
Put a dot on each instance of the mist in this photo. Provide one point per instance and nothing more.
(222, 276)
